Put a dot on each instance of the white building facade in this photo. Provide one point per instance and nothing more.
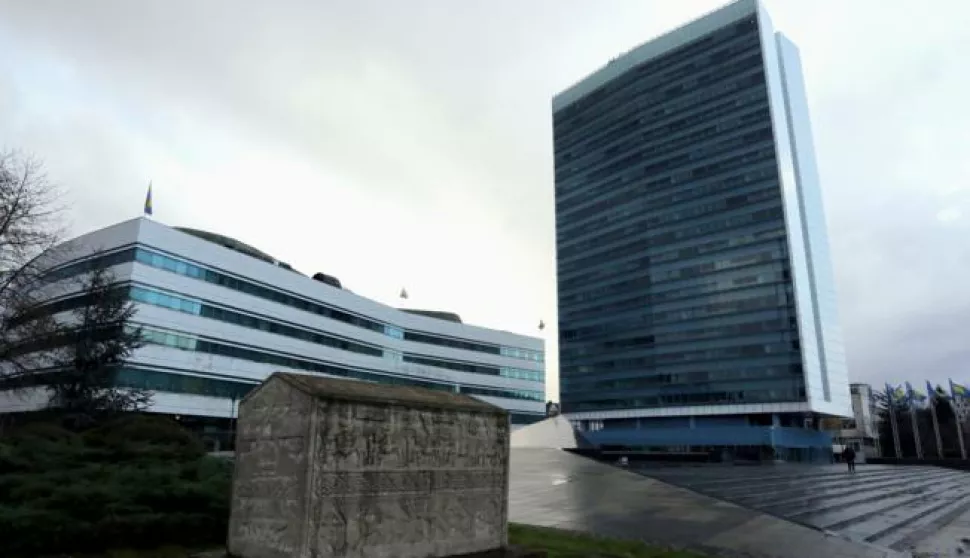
(861, 431)
(220, 316)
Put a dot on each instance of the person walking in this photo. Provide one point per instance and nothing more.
(849, 456)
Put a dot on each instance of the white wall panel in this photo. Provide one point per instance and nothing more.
(210, 292)
(155, 236)
(207, 253)
(229, 367)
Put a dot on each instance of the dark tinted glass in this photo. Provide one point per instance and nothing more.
(674, 281)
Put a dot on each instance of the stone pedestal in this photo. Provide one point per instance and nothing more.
(334, 468)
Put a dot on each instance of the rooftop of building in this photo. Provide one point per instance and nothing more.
(652, 48)
(253, 252)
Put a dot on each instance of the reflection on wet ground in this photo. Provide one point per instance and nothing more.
(557, 489)
(894, 507)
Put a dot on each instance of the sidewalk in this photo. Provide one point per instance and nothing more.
(946, 541)
(553, 488)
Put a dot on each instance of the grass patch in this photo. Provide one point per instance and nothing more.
(565, 544)
(555, 542)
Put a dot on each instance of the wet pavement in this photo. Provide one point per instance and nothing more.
(554, 488)
(948, 541)
(893, 507)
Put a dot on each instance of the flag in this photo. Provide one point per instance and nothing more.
(914, 394)
(895, 393)
(958, 391)
(934, 391)
(148, 199)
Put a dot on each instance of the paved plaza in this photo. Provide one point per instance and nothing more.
(554, 488)
(891, 506)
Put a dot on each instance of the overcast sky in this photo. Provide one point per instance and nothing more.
(408, 143)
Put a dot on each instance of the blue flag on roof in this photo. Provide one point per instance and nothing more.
(148, 200)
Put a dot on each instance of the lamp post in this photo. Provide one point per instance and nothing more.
(232, 420)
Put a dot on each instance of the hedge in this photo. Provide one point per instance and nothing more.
(138, 482)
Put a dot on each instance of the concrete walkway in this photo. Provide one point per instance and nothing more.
(948, 541)
(554, 488)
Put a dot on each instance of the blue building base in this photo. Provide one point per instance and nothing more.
(720, 442)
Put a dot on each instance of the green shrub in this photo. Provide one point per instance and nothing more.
(39, 446)
(145, 436)
(136, 482)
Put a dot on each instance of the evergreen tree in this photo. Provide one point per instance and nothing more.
(96, 343)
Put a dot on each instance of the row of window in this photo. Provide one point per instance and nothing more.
(181, 304)
(659, 359)
(630, 200)
(641, 145)
(643, 296)
(696, 334)
(643, 343)
(630, 104)
(756, 255)
(653, 156)
(583, 180)
(580, 253)
(668, 64)
(195, 307)
(187, 342)
(687, 399)
(744, 373)
(758, 274)
(181, 267)
(638, 224)
(625, 325)
(735, 302)
(516, 373)
(723, 242)
(588, 271)
(721, 281)
(751, 384)
(587, 179)
(696, 54)
(579, 372)
(154, 380)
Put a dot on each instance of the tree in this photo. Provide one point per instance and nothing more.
(30, 228)
(96, 342)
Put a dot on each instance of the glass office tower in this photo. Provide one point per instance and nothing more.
(696, 299)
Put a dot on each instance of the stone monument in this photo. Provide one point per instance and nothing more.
(332, 468)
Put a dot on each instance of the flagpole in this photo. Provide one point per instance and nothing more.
(936, 425)
(956, 417)
(892, 422)
(915, 421)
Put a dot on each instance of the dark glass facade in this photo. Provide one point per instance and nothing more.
(674, 276)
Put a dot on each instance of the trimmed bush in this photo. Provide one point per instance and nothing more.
(145, 436)
(136, 482)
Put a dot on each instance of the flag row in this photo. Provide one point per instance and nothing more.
(906, 393)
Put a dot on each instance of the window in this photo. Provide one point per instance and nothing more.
(161, 261)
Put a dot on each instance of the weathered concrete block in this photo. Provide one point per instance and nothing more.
(329, 468)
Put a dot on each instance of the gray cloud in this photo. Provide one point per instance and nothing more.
(410, 142)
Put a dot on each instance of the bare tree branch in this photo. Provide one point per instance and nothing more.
(30, 230)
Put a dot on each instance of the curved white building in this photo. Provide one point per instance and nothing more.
(220, 316)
